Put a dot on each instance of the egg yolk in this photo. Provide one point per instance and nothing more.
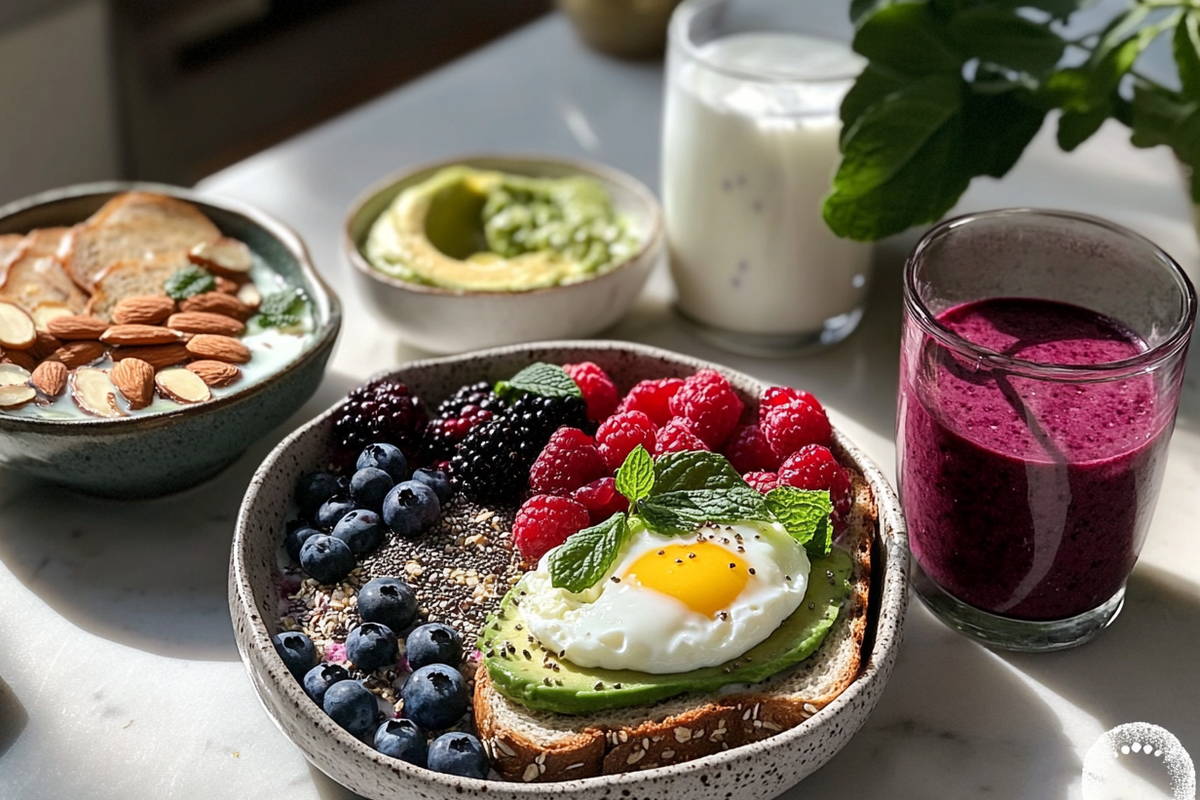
(703, 576)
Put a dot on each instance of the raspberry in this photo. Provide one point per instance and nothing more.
(793, 424)
(601, 499)
(749, 451)
(814, 467)
(598, 389)
(569, 460)
(712, 406)
(761, 480)
(652, 398)
(779, 395)
(676, 437)
(621, 433)
(545, 521)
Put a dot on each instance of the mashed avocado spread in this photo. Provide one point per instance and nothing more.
(481, 230)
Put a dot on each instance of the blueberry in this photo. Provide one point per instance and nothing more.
(386, 457)
(318, 680)
(297, 652)
(434, 643)
(314, 489)
(369, 486)
(411, 508)
(371, 646)
(435, 697)
(326, 559)
(435, 479)
(389, 601)
(351, 705)
(296, 539)
(361, 530)
(458, 754)
(333, 510)
(402, 739)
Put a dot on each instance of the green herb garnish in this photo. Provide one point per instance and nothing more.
(547, 380)
(188, 281)
(282, 309)
(635, 478)
(581, 561)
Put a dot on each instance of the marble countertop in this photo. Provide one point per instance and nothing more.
(118, 671)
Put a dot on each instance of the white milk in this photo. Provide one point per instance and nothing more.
(746, 165)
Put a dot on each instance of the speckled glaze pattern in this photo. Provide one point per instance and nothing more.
(447, 321)
(752, 772)
(152, 455)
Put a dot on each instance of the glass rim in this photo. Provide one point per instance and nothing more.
(1126, 367)
(678, 35)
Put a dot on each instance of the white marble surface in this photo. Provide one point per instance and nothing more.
(118, 672)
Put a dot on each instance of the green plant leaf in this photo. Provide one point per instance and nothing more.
(188, 281)
(587, 555)
(281, 310)
(683, 511)
(997, 128)
(861, 9)
(1186, 47)
(1002, 37)
(805, 516)
(874, 83)
(635, 478)
(907, 38)
(547, 380)
(675, 472)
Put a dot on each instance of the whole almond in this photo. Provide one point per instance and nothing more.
(218, 348)
(93, 391)
(215, 373)
(227, 286)
(17, 331)
(76, 327)
(205, 322)
(50, 377)
(156, 355)
(134, 378)
(218, 303)
(19, 358)
(182, 385)
(139, 335)
(78, 354)
(146, 309)
(46, 344)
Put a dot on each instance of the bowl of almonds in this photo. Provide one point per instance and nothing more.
(149, 334)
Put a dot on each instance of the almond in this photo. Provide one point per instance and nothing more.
(223, 256)
(76, 326)
(137, 334)
(218, 348)
(50, 377)
(44, 312)
(77, 354)
(215, 373)
(93, 391)
(205, 322)
(13, 374)
(46, 344)
(16, 395)
(182, 385)
(156, 355)
(19, 358)
(17, 331)
(146, 309)
(227, 286)
(134, 379)
(219, 303)
(250, 295)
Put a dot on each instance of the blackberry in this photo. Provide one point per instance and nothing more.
(379, 412)
(477, 394)
(455, 416)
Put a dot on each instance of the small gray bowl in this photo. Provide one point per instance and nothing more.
(148, 455)
(752, 772)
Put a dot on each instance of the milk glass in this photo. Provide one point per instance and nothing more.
(750, 144)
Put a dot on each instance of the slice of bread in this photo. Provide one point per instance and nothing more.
(528, 745)
(131, 278)
(33, 274)
(133, 226)
(11, 245)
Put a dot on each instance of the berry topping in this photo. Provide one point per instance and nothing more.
(676, 436)
(652, 398)
(598, 389)
(388, 601)
(371, 646)
(761, 481)
(332, 511)
(433, 643)
(618, 435)
(709, 402)
(326, 559)
(296, 538)
(381, 411)
(297, 651)
(351, 705)
(569, 460)
(368, 487)
(402, 739)
(458, 754)
(435, 697)
(814, 467)
(793, 424)
(437, 480)
(411, 508)
(313, 490)
(749, 451)
(601, 499)
(544, 522)
(781, 395)
(361, 530)
(318, 680)
(386, 457)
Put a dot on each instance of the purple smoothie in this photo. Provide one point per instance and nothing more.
(1028, 498)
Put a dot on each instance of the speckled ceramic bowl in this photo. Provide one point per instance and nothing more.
(147, 455)
(451, 321)
(753, 772)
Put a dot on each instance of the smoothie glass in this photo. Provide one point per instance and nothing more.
(1041, 361)
(750, 145)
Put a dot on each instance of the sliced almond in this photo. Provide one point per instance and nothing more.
(223, 255)
(218, 348)
(13, 374)
(93, 391)
(44, 312)
(219, 303)
(17, 330)
(134, 379)
(205, 322)
(182, 385)
(249, 294)
(156, 355)
(138, 335)
(76, 326)
(215, 373)
(14, 396)
(50, 378)
(78, 354)
(227, 286)
(46, 344)
(147, 309)
(20, 358)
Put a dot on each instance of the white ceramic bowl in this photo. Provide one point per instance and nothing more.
(450, 321)
(752, 772)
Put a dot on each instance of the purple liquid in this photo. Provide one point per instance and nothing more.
(1025, 497)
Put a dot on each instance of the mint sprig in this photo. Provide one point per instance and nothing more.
(580, 562)
(547, 380)
(636, 478)
(805, 515)
(675, 472)
(683, 511)
(188, 281)
(281, 309)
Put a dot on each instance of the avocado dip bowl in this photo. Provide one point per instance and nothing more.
(446, 252)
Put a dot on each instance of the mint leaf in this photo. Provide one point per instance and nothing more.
(582, 561)
(635, 478)
(187, 281)
(805, 515)
(683, 511)
(874, 83)
(547, 380)
(1186, 47)
(282, 309)
(694, 470)
(907, 38)
(997, 127)
(1002, 37)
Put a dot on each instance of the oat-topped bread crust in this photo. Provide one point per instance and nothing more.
(529, 745)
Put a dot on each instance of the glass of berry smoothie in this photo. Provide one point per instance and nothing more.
(1040, 369)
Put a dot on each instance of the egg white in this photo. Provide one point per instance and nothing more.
(621, 625)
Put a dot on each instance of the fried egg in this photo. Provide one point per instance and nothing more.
(673, 604)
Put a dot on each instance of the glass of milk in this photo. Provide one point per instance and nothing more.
(750, 145)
